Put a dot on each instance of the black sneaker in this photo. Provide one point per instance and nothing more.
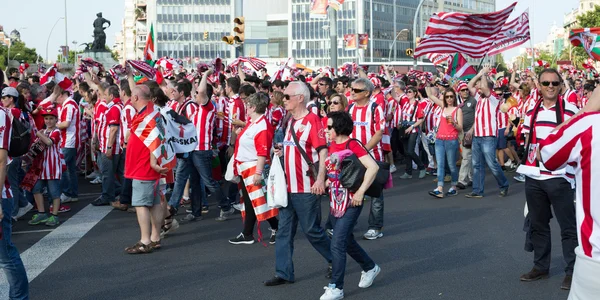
(205, 209)
(242, 240)
(473, 195)
(503, 192)
(461, 186)
(273, 236)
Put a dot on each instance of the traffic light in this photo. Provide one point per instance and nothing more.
(409, 52)
(239, 29)
(206, 35)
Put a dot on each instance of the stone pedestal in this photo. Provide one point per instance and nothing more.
(105, 58)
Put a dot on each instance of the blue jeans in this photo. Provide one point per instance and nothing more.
(484, 148)
(68, 182)
(182, 173)
(10, 260)
(203, 163)
(445, 151)
(304, 209)
(112, 176)
(376, 213)
(15, 175)
(343, 242)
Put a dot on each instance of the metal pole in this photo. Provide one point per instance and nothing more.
(415, 32)
(333, 37)
(393, 47)
(531, 34)
(66, 37)
(50, 34)
(371, 29)
(394, 43)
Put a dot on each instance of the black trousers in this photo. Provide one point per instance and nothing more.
(410, 154)
(541, 195)
(250, 218)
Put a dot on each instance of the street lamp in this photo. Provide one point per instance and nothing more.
(49, 35)
(394, 43)
(180, 35)
(415, 32)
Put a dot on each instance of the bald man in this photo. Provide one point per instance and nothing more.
(142, 168)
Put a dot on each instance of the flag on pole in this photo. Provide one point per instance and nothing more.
(513, 34)
(460, 68)
(588, 39)
(471, 34)
(149, 49)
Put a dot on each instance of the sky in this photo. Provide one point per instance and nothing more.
(82, 13)
(38, 16)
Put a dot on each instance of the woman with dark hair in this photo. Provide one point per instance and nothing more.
(158, 95)
(345, 207)
(412, 117)
(446, 143)
(251, 154)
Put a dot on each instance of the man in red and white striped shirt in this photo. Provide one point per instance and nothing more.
(484, 135)
(303, 186)
(369, 125)
(110, 151)
(575, 144)
(69, 125)
(127, 115)
(545, 189)
(184, 104)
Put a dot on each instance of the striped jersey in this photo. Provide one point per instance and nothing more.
(501, 118)
(235, 110)
(394, 111)
(571, 96)
(221, 105)
(411, 113)
(187, 109)
(432, 119)
(69, 112)
(311, 136)
(575, 144)
(5, 131)
(545, 122)
(204, 121)
(97, 124)
(127, 115)
(368, 120)
(112, 117)
(485, 115)
(53, 157)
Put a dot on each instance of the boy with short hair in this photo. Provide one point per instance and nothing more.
(51, 171)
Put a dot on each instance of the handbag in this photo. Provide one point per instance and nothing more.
(467, 141)
(353, 171)
(277, 196)
(313, 169)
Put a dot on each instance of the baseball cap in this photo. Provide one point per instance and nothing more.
(50, 112)
(10, 91)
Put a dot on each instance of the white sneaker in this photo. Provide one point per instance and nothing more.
(393, 168)
(66, 199)
(238, 206)
(520, 178)
(97, 180)
(508, 163)
(23, 210)
(92, 175)
(366, 279)
(373, 234)
(332, 293)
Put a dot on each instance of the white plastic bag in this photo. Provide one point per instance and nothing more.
(276, 187)
(229, 174)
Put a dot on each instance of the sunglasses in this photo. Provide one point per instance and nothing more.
(464, 90)
(410, 92)
(449, 96)
(329, 127)
(287, 97)
(356, 91)
(321, 84)
(335, 103)
(547, 83)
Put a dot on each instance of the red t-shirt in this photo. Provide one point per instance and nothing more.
(353, 146)
(137, 159)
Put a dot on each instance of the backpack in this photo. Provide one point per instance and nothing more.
(20, 137)
(180, 133)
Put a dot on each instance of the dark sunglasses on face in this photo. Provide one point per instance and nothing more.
(410, 92)
(464, 90)
(356, 91)
(335, 103)
(547, 83)
(449, 96)
(329, 127)
(287, 97)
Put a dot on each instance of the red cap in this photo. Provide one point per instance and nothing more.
(50, 112)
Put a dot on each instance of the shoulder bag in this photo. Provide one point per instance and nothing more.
(313, 169)
(353, 173)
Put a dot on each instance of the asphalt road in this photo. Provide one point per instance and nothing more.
(453, 248)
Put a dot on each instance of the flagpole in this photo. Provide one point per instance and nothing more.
(531, 35)
(481, 62)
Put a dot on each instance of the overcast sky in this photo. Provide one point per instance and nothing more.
(41, 15)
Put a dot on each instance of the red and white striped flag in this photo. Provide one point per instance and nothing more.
(438, 59)
(254, 62)
(470, 34)
(151, 131)
(513, 34)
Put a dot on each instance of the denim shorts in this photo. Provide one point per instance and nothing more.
(52, 185)
(501, 139)
(145, 193)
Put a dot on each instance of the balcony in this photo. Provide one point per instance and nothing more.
(141, 3)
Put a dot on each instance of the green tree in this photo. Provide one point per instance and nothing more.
(72, 56)
(500, 63)
(18, 51)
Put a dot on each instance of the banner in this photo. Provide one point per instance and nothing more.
(335, 4)
(318, 9)
(363, 41)
(350, 41)
(531, 51)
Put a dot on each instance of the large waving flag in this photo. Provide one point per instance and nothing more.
(460, 68)
(151, 131)
(513, 34)
(471, 34)
(589, 39)
(149, 48)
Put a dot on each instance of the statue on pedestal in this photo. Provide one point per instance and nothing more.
(99, 44)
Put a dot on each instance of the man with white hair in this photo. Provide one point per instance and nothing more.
(304, 147)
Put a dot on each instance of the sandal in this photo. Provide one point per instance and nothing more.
(139, 248)
(155, 245)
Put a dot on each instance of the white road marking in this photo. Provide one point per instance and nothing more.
(32, 231)
(47, 250)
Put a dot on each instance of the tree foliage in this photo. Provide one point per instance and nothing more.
(578, 55)
(500, 63)
(19, 52)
